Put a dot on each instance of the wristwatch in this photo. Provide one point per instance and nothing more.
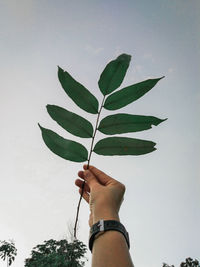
(101, 226)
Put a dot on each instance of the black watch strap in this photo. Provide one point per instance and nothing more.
(102, 226)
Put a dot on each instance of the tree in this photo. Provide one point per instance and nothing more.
(57, 254)
(166, 265)
(8, 251)
(189, 262)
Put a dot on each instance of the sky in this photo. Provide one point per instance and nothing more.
(38, 198)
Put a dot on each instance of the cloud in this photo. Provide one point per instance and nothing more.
(170, 70)
(138, 68)
(148, 56)
(93, 50)
(20, 10)
(117, 51)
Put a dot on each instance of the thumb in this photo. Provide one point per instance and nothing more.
(90, 178)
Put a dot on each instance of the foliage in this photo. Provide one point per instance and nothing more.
(8, 250)
(166, 265)
(57, 254)
(189, 262)
(110, 79)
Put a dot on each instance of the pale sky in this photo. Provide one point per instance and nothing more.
(38, 198)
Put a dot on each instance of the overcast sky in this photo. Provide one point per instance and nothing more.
(38, 198)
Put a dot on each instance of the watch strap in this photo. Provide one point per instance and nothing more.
(102, 226)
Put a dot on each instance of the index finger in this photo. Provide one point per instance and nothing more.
(101, 176)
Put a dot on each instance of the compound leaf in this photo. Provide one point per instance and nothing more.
(125, 123)
(70, 121)
(129, 94)
(113, 74)
(77, 92)
(64, 148)
(123, 146)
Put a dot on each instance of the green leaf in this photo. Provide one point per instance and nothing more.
(77, 92)
(123, 146)
(113, 74)
(125, 123)
(70, 121)
(129, 94)
(64, 148)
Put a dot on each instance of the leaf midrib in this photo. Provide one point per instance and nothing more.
(129, 146)
(80, 92)
(75, 123)
(69, 147)
(124, 123)
(137, 94)
(118, 65)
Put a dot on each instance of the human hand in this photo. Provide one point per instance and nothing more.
(103, 193)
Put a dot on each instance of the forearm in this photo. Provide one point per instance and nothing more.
(105, 195)
(110, 250)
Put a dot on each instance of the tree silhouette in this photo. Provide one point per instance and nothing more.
(189, 262)
(57, 254)
(8, 251)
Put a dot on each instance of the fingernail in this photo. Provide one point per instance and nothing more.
(84, 166)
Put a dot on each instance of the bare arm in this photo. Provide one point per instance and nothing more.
(105, 195)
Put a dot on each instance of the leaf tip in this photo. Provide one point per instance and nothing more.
(163, 120)
(159, 121)
(48, 106)
(40, 126)
(124, 57)
(60, 69)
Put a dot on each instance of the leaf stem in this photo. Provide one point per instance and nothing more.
(91, 149)
(78, 207)
(96, 126)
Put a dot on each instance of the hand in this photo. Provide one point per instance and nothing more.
(103, 193)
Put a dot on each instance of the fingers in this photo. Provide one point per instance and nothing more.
(81, 174)
(85, 195)
(101, 176)
(89, 177)
(79, 183)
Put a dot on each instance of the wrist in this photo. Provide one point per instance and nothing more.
(102, 227)
(105, 216)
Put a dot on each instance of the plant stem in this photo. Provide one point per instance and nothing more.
(91, 149)
(78, 207)
(96, 126)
